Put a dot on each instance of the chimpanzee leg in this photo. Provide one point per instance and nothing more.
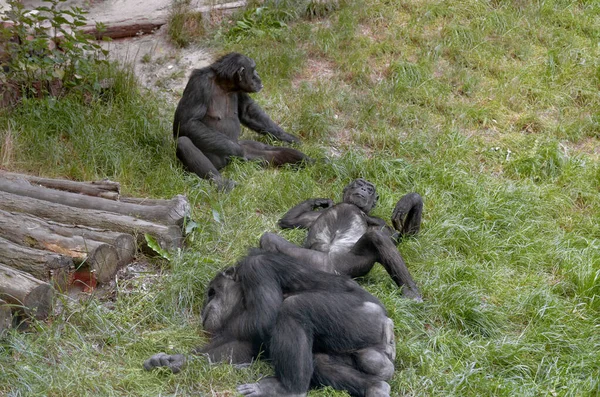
(374, 361)
(363, 372)
(272, 155)
(375, 246)
(406, 216)
(275, 243)
(197, 162)
(339, 372)
(290, 349)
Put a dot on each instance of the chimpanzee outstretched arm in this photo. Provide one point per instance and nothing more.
(253, 117)
(304, 214)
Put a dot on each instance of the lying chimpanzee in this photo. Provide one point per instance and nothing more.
(207, 120)
(317, 328)
(344, 239)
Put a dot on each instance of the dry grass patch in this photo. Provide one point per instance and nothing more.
(587, 146)
(315, 71)
(7, 149)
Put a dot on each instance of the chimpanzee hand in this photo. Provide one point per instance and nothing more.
(322, 203)
(285, 137)
(175, 362)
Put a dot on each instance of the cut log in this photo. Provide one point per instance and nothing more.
(131, 27)
(34, 297)
(105, 189)
(103, 262)
(168, 215)
(169, 237)
(5, 317)
(40, 264)
(126, 249)
(78, 242)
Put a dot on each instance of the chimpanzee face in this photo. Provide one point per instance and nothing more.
(361, 193)
(248, 78)
(223, 295)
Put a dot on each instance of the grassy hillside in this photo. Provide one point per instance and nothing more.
(489, 109)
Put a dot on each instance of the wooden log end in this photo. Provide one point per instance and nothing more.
(103, 262)
(40, 302)
(180, 210)
(126, 247)
(26, 293)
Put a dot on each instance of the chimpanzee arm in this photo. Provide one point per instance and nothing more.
(253, 117)
(304, 214)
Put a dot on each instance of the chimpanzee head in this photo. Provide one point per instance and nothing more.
(223, 295)
(361, 193)
(239, 71)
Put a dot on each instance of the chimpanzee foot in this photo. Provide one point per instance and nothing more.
(381, 389)
(269, 387)
(175, 362)
(224, 185)
(267, 242)
(412, 293)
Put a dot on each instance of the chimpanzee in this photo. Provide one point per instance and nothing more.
(207, 120)
(344, 239)
(317, 328)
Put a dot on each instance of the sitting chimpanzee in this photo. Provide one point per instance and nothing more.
(207, 120)
(317, 328)
(344, 239)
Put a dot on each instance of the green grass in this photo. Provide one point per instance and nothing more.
(489, 109)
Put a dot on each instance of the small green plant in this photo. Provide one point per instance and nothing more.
(271, 17)
(259, 21)
(155, 246)
(46, 52)
(146, 58)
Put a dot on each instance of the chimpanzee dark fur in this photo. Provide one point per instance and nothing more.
(319, 329)
(344, 239)
(208, 120)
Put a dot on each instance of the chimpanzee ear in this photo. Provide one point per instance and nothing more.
(240, 72)
(230, 273)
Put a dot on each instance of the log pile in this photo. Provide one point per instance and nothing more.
(55, 233)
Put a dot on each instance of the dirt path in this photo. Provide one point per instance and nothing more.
(158, 64)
